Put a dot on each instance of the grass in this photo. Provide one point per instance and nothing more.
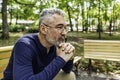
(94, 35)
(11, 41)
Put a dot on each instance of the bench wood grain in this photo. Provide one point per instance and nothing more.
(102, 49)
(5, 53)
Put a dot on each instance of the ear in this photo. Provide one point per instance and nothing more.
(43, 30)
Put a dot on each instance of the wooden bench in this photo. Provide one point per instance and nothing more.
(4, 58)
(5, 53)
(102, 50)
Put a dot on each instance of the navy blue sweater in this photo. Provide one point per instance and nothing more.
(30, 61)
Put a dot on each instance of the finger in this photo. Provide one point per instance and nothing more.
(60, 45)
(72, 55)
(66, 45)
(63, 46)
(68, 49)
(72, 49)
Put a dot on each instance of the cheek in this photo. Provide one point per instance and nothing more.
(54, 35)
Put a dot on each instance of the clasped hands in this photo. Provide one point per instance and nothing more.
(65, 51)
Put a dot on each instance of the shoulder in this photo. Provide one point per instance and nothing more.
(28, 38)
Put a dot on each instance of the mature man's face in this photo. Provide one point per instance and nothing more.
(56, 33)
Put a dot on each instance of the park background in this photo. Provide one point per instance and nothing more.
(86, 19)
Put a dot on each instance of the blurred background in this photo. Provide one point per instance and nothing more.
(86, 19)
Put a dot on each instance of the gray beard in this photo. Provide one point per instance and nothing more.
(60, 40)
(53, 42)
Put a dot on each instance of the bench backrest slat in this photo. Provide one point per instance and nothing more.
(102, 49)
(8, 48)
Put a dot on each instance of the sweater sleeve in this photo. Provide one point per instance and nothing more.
(68, 66)
(22, 68)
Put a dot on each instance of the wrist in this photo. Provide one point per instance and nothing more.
(62, 58)
(72, 58)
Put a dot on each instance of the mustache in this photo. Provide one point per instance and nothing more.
(63, 38)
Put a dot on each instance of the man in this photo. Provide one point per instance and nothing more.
(42, 56)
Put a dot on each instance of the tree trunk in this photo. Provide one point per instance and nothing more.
(83, 19)
(99, 22)
(68, 9)
(110, 28)
(77, 21)
(10, 16)
(5, 31)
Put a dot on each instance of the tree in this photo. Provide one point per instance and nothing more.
(69, 16)
(83, 14)
(64, 5)
(5, 31)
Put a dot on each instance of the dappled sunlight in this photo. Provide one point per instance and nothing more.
(17, 34)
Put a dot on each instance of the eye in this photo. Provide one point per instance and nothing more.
(60, 26)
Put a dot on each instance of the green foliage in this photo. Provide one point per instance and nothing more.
(0, 26)
(94, 35)
(33, 29)
(11, 41)
(16, 28)
(78, 43)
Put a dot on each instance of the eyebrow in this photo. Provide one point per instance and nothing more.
(46, 25)
(60, 25)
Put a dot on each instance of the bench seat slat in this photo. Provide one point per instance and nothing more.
(76, 59)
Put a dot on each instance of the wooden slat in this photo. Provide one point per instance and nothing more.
(102, 58)
(3, 64)
(3, 67)
(102, 49)
(5, 55)
(3, 52)
(76, 59)
(1, 76)
(103, 53)
(4, 61)
(6, 48)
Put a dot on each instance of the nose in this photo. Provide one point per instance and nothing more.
(64, 32)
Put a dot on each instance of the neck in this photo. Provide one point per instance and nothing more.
(43, 41)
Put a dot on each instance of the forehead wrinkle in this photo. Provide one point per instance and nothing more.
(48, 20)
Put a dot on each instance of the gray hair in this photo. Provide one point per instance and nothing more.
(47, 13)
